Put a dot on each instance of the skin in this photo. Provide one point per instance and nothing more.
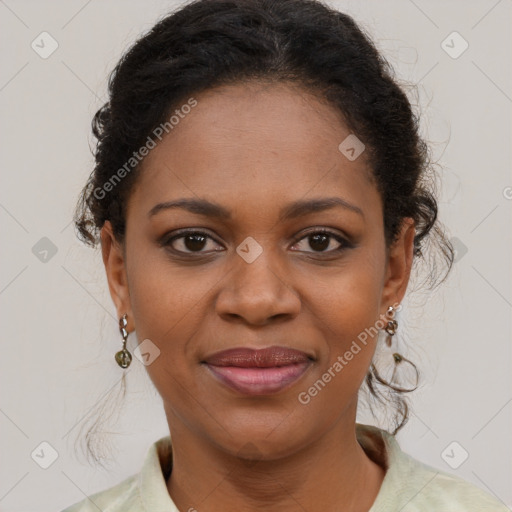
(253, 149)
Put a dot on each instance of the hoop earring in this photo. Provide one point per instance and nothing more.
(391, 328)
(123, 357)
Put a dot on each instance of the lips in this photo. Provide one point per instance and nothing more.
(262, 358)
(258, 372)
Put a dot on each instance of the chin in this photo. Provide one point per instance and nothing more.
(264, 436)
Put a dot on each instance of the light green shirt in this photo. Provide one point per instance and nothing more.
(408, 486)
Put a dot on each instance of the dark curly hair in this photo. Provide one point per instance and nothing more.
(208, 43)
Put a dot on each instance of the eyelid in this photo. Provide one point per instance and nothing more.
(170, 236)
(322, 229)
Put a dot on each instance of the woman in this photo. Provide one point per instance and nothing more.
(260, 198)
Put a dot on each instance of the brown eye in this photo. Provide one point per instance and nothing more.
(194, 242)
(320, 241)
(189, 242)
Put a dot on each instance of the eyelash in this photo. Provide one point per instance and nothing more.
(167, 242)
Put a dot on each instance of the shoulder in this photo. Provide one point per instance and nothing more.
(142, 491)
(447, 492)
(425, 487)
(121, 497)
(413, 486)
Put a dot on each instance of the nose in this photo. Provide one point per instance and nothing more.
(258, 293)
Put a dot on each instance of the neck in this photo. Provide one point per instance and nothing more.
(330, 472)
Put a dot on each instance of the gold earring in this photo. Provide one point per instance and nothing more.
(391, 328)
(123, 357)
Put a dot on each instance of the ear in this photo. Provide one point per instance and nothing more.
(399, 264)
(115, 267)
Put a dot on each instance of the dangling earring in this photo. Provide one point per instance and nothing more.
(391, 328)
(123, 357)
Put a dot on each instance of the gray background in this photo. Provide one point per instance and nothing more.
(58, 321)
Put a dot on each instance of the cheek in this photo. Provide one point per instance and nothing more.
(347, 298)
(345, 309)
(165, 298)
(349, 327)
(169, 309)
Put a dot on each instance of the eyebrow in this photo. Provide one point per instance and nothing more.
(293, 210)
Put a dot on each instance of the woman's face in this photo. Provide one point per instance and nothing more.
(256, 159)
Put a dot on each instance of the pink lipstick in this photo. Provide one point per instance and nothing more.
(258, 372)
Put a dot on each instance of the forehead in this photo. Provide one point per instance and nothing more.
(254, 142)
